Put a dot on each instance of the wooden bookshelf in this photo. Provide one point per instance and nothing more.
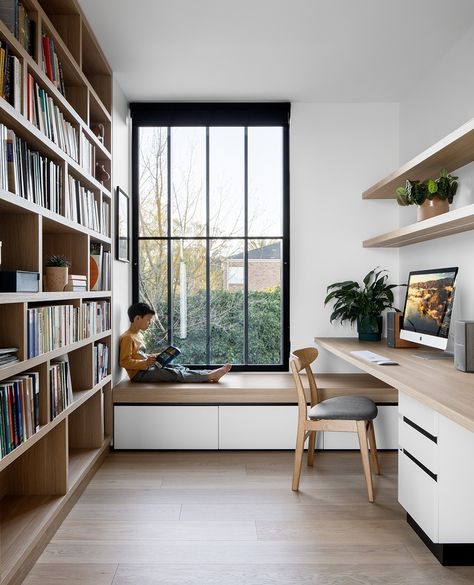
(67, 121)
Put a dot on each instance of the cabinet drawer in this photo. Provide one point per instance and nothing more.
(418, 494)
(165, 427)
(424, 416)
(420, 446)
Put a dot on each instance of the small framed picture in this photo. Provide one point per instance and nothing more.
(122, 244)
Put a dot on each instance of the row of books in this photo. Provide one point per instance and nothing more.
(19, 410)
(87, 155)
(15, 16)
(60, 386)
(100, 267)
(45, 115)
(51, 64)
(10, 76)
(52, 327)
(81, 206)
(96, 317)
(100, 361)
(27, 173)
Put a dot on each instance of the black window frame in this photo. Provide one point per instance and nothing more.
(208, 114)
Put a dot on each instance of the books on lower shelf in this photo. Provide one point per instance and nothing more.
(52, 327)
(60, 386)
(100, 362)
(19, 410)
(96, 317)
(47, 117)
(100, 267)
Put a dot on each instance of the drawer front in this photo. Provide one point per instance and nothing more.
(165, 427)
(418, 494)
(420, 446)
(424, 416)
(257, 427)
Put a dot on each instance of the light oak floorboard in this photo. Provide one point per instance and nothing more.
(207, 518)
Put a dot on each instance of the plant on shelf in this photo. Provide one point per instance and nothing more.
(363, 304)
(57, 268)
(432, 196)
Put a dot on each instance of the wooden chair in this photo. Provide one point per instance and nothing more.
(342, 413)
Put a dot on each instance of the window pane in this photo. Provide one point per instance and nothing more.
(265, 181)
(188, 181)
(188, 291)
(226, 181)
(153, 182)
(227, 301)
(153, 279)
(265, 301)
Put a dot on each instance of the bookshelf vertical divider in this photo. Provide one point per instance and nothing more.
(55, 391)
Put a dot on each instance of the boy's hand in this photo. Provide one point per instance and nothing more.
(150, 360)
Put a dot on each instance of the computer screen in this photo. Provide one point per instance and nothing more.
(429, 306)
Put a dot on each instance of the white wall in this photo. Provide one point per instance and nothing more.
(442, 101)
(121, 176)
(336, 152)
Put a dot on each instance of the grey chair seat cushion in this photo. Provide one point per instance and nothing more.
(344, 408)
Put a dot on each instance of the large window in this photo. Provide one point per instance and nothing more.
(210, 237)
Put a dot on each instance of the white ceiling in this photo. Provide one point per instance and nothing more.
(298, 50)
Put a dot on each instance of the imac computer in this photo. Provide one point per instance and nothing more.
(428, 308)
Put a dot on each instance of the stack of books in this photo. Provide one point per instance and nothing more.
(52, 327)
(76, 282)
(60, 385)
(8, 356)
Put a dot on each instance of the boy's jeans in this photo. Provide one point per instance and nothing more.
(171, 374)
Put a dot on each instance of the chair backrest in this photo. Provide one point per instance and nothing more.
(301, 359)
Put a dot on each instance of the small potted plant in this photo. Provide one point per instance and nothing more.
(57, 268)
(432, 196)
(363, 304)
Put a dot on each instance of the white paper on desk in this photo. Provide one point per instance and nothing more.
(370, 356)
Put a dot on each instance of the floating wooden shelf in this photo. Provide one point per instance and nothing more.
(451, 153)
(453, 222)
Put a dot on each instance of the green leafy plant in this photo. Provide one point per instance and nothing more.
(58, 261)
(353, 301)
(416, 192)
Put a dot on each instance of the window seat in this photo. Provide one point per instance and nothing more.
(242, 411)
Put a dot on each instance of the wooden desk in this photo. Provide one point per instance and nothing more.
(436, 442)
(435, 383)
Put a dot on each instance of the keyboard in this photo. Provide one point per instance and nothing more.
(370, 356)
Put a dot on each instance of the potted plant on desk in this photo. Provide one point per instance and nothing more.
(362, 304)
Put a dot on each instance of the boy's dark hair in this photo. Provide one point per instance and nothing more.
(139, 310)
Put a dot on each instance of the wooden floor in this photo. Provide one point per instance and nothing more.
(230, 518)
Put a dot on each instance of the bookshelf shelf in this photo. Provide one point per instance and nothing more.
(55, 420)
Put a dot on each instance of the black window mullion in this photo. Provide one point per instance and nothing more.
(246, 258)
(135, 214)
(168, 247)
(208, 256)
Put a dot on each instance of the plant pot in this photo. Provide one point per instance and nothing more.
(56, 278)
(369, 328)
(431, 208)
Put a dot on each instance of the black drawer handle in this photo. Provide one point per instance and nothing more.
(420, 465)
(420, 430)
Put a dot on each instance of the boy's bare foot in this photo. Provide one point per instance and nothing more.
(216, 375)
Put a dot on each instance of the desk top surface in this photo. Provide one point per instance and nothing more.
(435, 383)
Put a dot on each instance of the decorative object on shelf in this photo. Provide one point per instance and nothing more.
(101, 174)
(362, 304)
(99, 131)
(122, 244)
(432, 196)
(19, 281)
(57, 268)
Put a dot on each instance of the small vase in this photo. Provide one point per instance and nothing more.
(431, 208)
(56, 278)
(369, 328)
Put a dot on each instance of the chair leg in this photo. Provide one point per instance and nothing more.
(298, 458)
(311, 446)
(364, 452)
(373, 447)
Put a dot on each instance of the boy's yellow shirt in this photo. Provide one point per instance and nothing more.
(132, 353)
